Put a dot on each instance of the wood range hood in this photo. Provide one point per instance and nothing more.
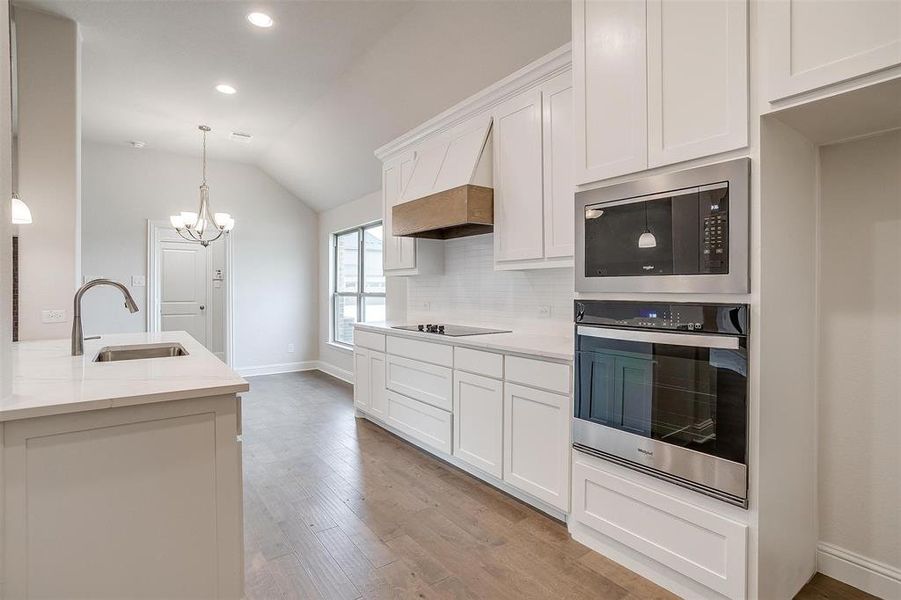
(449, 194)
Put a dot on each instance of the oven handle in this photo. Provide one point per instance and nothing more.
(727, 342)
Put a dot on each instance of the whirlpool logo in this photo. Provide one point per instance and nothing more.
(645, 452)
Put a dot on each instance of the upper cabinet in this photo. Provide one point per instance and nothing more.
(811, 45)
(403, 255)
(533, 180)
(610, 88)
(635, 110)
(697, 78)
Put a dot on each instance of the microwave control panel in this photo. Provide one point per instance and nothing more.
(713, 206)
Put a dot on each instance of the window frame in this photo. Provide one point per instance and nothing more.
(360, 294)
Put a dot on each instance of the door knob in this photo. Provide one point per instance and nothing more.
(202, 307)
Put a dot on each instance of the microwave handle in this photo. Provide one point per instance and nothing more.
(726, 342)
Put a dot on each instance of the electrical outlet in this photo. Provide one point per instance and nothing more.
(544, 311)
(290, 347)
(425, 306)
(138, 281)
(53, 316)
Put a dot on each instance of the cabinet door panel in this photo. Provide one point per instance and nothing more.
(378, 401)
(559, 189)
(518, 230)
(536, 443)
(815, 44)
(361, 379)
(697, 78)
(610, 88)
(398, 252)
(479, 422)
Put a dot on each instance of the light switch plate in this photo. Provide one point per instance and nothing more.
(138, 281)
(544, 311)
(53, 316)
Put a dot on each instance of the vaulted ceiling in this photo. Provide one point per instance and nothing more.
(319, 91)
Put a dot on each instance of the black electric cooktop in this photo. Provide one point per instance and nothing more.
(449, 330)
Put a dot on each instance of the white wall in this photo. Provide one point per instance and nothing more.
(49, 142)
(860, 348)
(275, 253)
(366, 209)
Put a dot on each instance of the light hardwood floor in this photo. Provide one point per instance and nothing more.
(337, 508)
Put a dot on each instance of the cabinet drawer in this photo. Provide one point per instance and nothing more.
(421, 381)
(369, 339)
(438, 354)
(538, 373)
(702, 545)
(429, 425)
(479, 362)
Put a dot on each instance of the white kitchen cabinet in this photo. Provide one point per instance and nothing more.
(479, 422)
(369, 381)
(702, 545)
(610, 88)
(421, 381)
(378, 402)
(557, 155)
(518, 195)
(422, 422)
(537, 443)
(142, 500)
(404, 255)
(811, 45)
(697, 78)
(657, 82)
(361, 378)
(534, 193)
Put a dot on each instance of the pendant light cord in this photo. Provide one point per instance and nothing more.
(204, 161)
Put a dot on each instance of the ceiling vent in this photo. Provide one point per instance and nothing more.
(237, 136)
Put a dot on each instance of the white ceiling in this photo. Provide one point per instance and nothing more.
(319, 91)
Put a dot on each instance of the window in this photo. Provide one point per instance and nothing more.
(359, 283)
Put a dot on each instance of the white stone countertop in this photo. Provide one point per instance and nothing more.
(557, 347)
(47, 380)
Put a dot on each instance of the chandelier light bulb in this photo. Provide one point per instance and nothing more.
(21, 215)
(177, 221)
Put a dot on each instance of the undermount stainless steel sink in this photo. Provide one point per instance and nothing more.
(137, 351)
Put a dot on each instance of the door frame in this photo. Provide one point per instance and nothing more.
(161, 231)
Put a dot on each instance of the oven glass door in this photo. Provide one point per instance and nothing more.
(692, 396)
(684, 232)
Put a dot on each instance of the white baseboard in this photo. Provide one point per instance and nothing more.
(863, 573)
(307, 365)
(330, 369)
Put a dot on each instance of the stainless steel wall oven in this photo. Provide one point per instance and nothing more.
(679, 232)
(663, 388)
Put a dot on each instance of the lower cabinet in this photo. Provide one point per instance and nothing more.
(537, 443)
(369, 382)
(479, 422)
(361, 378)
(702, 545)
(429, 425)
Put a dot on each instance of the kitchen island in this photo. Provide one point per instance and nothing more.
(122, 478)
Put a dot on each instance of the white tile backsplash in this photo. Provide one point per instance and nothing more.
(471, 292)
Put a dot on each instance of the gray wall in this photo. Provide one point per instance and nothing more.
(274, 245)
(860, 347)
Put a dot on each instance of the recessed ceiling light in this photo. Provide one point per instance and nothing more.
(237, 136)
(224, 88)
(137, 144)
(260, 19)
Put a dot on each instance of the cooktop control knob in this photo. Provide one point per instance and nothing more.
(441, 329)
(420, 327)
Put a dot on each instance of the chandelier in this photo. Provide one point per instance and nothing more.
(203, 226)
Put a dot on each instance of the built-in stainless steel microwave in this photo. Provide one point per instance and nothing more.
(684, 232)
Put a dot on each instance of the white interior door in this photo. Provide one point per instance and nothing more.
(183, 289)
